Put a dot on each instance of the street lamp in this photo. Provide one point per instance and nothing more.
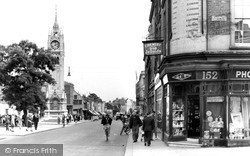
(69, 71)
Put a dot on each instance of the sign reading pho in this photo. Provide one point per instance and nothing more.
(153, 47)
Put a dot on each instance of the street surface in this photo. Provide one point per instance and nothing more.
(85, 139)
(88, 139)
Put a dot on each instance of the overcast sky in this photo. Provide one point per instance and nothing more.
(103, 39)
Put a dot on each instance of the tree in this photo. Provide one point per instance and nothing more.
(93, 97)
(24, 69)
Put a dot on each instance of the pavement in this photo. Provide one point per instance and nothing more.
(156, 148)
(42, 126)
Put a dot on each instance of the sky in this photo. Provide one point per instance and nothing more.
(103, 39)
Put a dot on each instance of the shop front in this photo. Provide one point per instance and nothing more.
(158, 107)
(211, 104)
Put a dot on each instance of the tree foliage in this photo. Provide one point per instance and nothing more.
(94, 98)
(24, 69)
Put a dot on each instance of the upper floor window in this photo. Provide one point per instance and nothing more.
(242, 22)
(75, 96)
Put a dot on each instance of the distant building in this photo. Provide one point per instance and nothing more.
(140, 93)
(78, 104)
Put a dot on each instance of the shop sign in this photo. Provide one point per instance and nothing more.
(215, 99)
(208, 75)
(153, 47)
(181, 76)
(242, 74)
(239, 74)
(157, 81)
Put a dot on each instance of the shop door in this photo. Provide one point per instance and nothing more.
(193, 118)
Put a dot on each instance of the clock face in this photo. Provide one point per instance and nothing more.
(55, 44)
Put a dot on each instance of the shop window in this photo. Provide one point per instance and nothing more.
(214, 118)
(239, 118)
(159, 110)
(178, 123)
(166, 95)
(167, 115)
(242, 22)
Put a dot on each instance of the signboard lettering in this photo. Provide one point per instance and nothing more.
(153, 47)
(242, 74)
(219, 18)
(210, 75)
(215, 99)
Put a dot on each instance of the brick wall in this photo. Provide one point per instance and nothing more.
(218, 17)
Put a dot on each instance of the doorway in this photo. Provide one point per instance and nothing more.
(193, 118)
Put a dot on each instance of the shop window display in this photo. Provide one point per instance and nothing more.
(167, 115)
(178, 117)
(239, 119)
(214, 122)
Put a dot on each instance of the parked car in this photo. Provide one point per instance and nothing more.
(118, 116)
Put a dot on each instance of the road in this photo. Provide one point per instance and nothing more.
(86, 139)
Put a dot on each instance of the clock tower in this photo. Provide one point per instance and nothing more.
(56, 105)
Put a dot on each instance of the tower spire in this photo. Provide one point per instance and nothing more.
(56, 26)
(56, 14)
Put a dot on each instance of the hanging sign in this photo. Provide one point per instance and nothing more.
(153, 47)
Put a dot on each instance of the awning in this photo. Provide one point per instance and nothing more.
(91, 113)
(96, 112)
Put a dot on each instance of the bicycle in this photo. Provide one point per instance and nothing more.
(106, 130)
(126, 129)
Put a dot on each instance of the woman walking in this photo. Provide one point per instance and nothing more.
(30, 122)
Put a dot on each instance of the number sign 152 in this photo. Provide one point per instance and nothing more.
(210, 75)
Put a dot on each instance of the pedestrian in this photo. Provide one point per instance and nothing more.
(134, 124)
(147, 126)
(67, 119)
(75, 119)
(70, 118)
(154, 131)
(125, 122)
(30, 122)
(12, 124)
(58, 119)
(19, 121)
(35, 120)
(7, 122)
(106, 122)
(63, 120)
(23, 121)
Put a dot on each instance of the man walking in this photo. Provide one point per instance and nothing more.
(134, 124)
(148, 126)
(35, 120)
(154, 131)
(7, 122)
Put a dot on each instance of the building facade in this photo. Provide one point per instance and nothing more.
(78, 104)
(203, 70)
(140, 93)
(55, 93)
(69, 90)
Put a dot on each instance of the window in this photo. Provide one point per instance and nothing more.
(239, 119)
(75, 96)
(242, 22)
